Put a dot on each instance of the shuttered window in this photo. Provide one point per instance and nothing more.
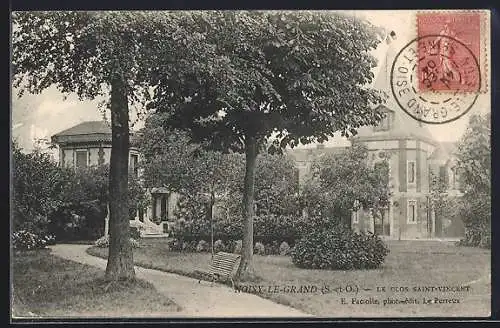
(412, 211)
(81, 159)
(411, 175)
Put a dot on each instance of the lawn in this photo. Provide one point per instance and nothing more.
(409, 264)
(46, 286)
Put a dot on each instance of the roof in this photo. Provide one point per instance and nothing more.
(86, 132)
(404, 126)
(444, 151)
(309, 154)
(89, 127)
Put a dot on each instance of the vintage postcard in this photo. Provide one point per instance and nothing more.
(251, 164)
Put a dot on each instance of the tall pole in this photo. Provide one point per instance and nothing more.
(212, 201)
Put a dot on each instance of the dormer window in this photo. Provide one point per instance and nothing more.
(385, 123)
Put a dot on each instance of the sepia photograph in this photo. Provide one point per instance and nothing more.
(250, 164)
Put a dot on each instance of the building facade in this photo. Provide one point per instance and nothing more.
(89, 144)
(413, 155)
(412, 152)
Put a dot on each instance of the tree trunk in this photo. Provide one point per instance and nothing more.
(120, 259)
(248, 208)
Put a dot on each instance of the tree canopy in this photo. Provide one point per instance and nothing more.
(111, 55)
(171, 159)
(474, 167)
(236, 80)
(272, 79)
(283, 77)
(345, 181)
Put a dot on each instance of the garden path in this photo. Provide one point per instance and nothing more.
(196, 299)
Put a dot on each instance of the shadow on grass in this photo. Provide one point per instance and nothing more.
(47, 286)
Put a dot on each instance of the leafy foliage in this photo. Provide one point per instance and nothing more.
(474, 165)
(111, 55)
(268, 228)
(368, 186)
(271, 80)
(236, 80)
(276, 185)
(219, 246)
(297, 72)
(202, 246)
(25, 240)
(69, 204)
(284, 248)
(135, 233)
(83, 207)
(259, 249)
(339, 249)
(37, 187)
(103, 242)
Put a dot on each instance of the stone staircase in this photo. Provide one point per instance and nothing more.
(149, 229)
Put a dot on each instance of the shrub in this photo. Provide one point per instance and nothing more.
(237, 247)
(272, 248)
(174, 245)
(25, 240)
(339, 249)
(219, 246)
(268, 227)
(135, 233)
(284, 248)
(103, 242)
(134, 243)
(230, 246)
(259, 249)
(189, 246)
(202, 246)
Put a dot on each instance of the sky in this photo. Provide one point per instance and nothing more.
(43, 115)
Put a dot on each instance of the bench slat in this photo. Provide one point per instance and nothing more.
(223, 264)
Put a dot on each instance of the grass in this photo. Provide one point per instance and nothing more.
(409, 264)
(46, 286)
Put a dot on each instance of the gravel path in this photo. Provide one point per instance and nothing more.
(196, 299)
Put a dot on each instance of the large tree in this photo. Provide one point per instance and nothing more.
(272, 80)
(110, 55)
(171, 159)
(37, 183)
(474, 167)
(346, 181)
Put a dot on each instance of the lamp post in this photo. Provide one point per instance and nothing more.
(211, 201)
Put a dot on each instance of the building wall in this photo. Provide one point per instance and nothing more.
(67, 156)
(402, 152)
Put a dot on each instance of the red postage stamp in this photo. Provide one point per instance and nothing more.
(449, 51)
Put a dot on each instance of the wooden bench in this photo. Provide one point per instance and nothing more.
(223, 267)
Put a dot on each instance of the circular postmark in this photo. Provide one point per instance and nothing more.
(435, 79)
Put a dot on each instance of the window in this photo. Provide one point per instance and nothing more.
(410, 173)
(385, 123)
(355, 217)
(412, 211)
(81, 159)
(134, 160)
(454, 178)
(443, 175)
